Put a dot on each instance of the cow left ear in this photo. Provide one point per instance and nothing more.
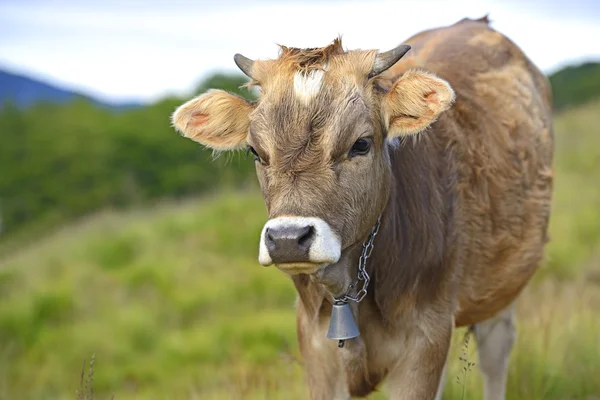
(414, 102)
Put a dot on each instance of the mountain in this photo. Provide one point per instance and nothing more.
(25, 91)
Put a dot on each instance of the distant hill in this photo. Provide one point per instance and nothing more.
(24, 92)
(574, 85)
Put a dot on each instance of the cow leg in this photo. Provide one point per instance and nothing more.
(495, 338)
(322, 364)
(418, 373)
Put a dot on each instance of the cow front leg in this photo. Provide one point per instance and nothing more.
(418, 373)
(322, 363)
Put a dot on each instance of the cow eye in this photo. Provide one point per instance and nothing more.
(254, 153)
(360, 147)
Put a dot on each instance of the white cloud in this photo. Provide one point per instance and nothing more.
(144, 50)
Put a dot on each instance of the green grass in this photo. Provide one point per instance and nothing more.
(172, 302)
(575, 220)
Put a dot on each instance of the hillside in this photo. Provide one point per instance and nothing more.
(62, 161)
(173, 304)
(25, 92)
(126, 159)
(575, 85)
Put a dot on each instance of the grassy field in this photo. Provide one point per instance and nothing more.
(174, 305)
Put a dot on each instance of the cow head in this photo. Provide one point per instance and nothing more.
(319, 134)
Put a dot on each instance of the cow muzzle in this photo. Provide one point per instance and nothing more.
(298, 244)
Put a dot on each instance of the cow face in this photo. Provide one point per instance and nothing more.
(319, 134)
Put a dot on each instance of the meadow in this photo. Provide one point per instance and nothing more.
(172, 303)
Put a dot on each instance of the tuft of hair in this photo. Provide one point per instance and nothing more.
(485, 19)
(306, 60)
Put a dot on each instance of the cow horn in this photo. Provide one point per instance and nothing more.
(245, 64)
(385, 60)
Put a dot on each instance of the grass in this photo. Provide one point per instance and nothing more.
(467, 365)
(575, 220)
(174, 305)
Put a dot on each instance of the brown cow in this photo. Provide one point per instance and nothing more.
(451, 148)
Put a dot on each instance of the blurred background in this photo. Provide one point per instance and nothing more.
(122, 241)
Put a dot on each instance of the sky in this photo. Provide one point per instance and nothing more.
(142, 50)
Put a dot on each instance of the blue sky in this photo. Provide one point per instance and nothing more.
(143, 49)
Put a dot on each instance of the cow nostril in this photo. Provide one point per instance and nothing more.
(268, 235)
(306, 237)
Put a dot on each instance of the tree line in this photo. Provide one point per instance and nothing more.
(58, 161)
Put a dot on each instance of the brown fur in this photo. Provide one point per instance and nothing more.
(465, 204)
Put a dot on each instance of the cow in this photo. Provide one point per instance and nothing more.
(439, 163)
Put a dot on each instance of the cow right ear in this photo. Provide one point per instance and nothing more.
(414, 102)
(216, 119)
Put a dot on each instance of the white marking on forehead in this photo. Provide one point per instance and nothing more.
(307, 85)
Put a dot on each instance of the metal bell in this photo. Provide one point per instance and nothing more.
(342, 325)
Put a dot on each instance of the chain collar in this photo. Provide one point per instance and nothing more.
(363, 276)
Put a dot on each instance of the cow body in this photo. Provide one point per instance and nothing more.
(500, 134)
(464, 205)
(466, 222)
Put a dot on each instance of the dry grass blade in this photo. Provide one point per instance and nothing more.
(86, 385)
(467, 365)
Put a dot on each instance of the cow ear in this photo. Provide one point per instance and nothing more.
(216, 119)
(414, 102)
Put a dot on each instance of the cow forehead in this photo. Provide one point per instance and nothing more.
(311, 112)
(310, 98)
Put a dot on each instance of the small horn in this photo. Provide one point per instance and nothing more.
(245, 64)
(385, 60)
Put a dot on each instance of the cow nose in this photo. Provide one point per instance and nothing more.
(289, 244)
(294, 240)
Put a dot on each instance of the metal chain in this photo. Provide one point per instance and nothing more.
(367, 249)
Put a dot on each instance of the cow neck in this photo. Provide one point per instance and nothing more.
(342, 325)
(358, 288)
(416, 222)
